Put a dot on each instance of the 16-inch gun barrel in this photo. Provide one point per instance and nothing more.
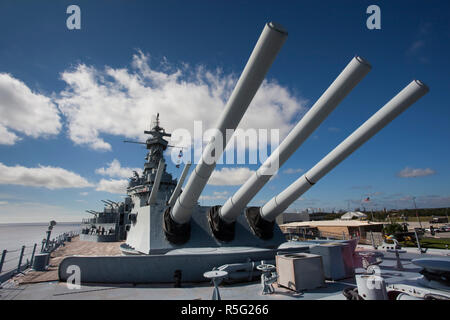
(353, 73)
(264, 53)
(405, 98)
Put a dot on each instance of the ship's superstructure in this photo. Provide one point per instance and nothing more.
(155, 185)
(113, 223)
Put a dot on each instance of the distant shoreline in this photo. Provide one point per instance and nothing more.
(36, 223)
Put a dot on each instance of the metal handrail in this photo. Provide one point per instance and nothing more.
(27, 253)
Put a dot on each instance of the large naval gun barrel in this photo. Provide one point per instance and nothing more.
(268, 45)
(263, 217)
(353, 73)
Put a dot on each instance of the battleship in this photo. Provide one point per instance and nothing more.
(108, 225)
(160, 243)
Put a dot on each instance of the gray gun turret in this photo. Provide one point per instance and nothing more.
(156, 194)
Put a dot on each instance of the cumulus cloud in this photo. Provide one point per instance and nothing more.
(113, 186)
(115, 170)
(19, 212)
(7, 137)
(215, 196)
(121, 101)
(230, 176)
(412, 173)
(48, 177)
(25, 111)
(292, 171)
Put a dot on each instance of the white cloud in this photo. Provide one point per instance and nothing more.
(122, 101)
(230, 176)
(48, 177)
(292, 171)
(84, 193)
(114, 170)
(25, 111)
(412, 173)
(18, 212)
(7, 137)
(416, 45)
(113, 186)
(215, 196)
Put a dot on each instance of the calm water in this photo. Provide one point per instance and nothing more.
(14, 236)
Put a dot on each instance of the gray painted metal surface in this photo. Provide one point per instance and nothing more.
(353, 73)
(264, 53)
(148, 237)
(405, 98)
(333, 262)
(190, 291)
(437, 264)
(177, 190)
(193, 263)
(155, 188)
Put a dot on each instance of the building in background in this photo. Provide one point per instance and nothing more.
(287, 217)
(353, 215)
(333, 229)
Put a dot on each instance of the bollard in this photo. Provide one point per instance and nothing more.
(41, 260)
(3, 259)
(20, 258)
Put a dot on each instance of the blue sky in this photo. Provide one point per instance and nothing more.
(52, 122)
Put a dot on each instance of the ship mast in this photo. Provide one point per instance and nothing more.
(156, 144)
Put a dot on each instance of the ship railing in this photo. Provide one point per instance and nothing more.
(15, 261)
(314, 234)
(106, 219)
(99, 220)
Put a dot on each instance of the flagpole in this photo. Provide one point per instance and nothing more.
(417, 213)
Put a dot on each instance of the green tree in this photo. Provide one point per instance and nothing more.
(391, 229)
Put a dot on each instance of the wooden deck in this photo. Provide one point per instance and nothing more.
(75, 247)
